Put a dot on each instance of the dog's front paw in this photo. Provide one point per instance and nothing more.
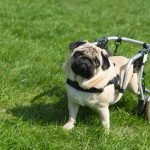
(68, 126)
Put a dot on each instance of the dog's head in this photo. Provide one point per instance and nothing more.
(87, 59)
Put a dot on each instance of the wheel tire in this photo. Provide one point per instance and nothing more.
(147, 113)
(141, 107)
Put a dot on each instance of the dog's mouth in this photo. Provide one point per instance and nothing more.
(83, 66)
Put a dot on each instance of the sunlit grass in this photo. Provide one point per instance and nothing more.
(34, 38)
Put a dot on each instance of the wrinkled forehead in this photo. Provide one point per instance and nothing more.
(89, 48)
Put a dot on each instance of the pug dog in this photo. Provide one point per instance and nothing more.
(92, 76)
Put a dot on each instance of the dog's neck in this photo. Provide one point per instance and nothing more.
(99, 80)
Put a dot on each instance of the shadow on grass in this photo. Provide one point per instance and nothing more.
(42, 111)
(48, 113)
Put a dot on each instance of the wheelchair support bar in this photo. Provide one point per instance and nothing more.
(127, 40)
(131, 61)
(119, 39)
(147, 90)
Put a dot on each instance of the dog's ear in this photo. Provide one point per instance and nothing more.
(76, 44)
(106, 63)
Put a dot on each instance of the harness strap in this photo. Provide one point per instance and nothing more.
(114, 81)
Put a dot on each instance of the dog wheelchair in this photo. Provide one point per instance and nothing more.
(138, 61)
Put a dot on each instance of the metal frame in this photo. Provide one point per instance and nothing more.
(147, 90)
(126, 40)
(142, 53)
(116, 38)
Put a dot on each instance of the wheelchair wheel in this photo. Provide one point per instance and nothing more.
(147, 112)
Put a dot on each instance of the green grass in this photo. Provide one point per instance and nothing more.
(34, 38)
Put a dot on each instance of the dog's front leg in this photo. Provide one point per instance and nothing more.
(73, 110)
(104, 115)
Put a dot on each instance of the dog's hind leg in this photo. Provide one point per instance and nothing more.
(73, 110)
(134, 83)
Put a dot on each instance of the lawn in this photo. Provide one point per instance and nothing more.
(34, 38)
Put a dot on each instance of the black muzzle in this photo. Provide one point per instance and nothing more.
(82, 66)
